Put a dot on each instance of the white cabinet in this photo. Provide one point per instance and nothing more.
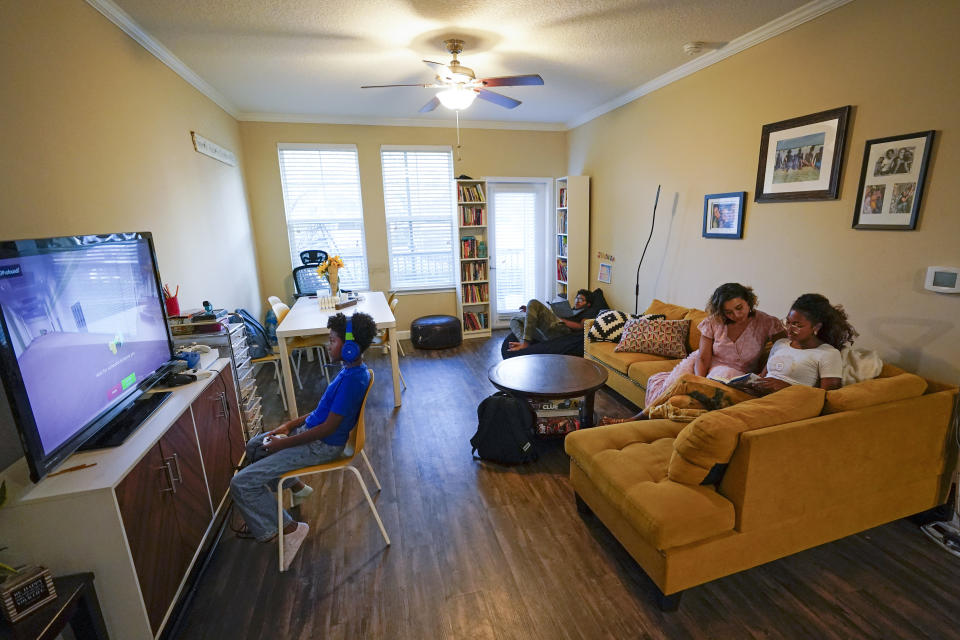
(140, 514)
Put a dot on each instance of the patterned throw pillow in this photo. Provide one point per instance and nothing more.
(609, 324)
(666, 338)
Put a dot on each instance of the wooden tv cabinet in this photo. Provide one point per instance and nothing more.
(140, 516)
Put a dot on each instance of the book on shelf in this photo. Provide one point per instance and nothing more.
(562, 197)
(470, 193)
(474, 321)
(475, 293)
(472, 216)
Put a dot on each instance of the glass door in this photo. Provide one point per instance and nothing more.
(518, 212)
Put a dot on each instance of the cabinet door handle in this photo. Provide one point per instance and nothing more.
(172, 488)
(223, 403)
(176, 463)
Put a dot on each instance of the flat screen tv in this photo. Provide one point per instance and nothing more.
(84, 336)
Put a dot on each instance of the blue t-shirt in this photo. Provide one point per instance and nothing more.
(343, 397)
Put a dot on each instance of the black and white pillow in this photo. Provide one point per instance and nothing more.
(608, 327)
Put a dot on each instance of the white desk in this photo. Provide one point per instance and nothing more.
(306, 318)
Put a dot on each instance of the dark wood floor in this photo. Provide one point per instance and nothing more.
(482, 551)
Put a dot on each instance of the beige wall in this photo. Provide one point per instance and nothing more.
(897, 63)
(96, 139)
(485, 153)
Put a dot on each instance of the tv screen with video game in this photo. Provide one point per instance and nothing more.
(84, 334)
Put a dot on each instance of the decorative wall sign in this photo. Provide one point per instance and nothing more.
(891, 181)
(723, 215)
(212, 149)
(606, 272)
(800, 158)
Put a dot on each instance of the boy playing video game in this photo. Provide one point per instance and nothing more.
(312, 439)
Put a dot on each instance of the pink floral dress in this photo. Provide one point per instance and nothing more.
(731, 358)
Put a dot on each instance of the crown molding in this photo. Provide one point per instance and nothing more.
(788, 21)
(119, 17)
(401, 122)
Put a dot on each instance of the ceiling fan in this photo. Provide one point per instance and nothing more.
(460, 86)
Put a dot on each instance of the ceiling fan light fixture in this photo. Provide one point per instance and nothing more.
(457, 98)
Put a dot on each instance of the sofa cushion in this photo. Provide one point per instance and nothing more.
(712, 438)
(628, 465)
(608, 326)
(622, 361)
(669, 311)
(695, 316)
(641, 371)
(666, 338)
(873, 392)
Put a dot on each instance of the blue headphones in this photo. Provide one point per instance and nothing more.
(350, 352)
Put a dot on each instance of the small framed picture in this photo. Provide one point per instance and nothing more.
(891, 182)
(606, 272)
(800, 158)
(723, 215)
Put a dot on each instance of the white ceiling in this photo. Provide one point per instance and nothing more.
(304, 60)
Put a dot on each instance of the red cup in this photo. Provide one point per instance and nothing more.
(173, 306)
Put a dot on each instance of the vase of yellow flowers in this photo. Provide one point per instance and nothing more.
(330, 269)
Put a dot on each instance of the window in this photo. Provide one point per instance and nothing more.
(321, 197)
(419, 204)
(518, 211)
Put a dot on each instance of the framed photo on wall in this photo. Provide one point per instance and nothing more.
(800, 158)
(891, 182)
(723, 215)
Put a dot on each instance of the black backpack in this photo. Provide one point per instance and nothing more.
(504, 430)
(257, 338)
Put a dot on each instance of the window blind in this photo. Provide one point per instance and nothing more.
(419, 206)
(321, 198)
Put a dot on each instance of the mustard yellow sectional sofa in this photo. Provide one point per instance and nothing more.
(803, 467)
(628, 372)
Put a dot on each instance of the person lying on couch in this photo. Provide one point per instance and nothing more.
(540, 320)
(809, 355)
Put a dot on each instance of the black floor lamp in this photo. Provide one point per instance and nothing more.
(636, 290)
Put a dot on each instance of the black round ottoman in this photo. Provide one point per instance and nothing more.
(435, 332)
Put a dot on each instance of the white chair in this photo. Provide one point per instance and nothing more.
(355, 446)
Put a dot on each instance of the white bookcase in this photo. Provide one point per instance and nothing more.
(572, 244)
(473, 251)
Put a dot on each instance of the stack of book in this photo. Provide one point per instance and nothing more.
(198, 321)
(556, 417)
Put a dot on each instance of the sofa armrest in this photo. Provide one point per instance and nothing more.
(787, 471)
(586, 334)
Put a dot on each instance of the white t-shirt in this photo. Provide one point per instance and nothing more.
(803, 366)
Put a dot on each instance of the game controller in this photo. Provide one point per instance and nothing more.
(267, 440)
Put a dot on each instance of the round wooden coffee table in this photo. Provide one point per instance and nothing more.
(545, 376)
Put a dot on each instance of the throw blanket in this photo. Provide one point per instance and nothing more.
(690, 396)
(860, 365)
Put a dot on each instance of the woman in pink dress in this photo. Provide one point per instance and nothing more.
(732, 338)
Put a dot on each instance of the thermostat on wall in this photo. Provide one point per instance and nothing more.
(943, 279)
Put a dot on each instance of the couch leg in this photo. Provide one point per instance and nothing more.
(582, 507)
(670, 602)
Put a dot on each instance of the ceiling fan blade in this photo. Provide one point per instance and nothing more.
(381, 86)
(430, 106)
(512, 81)
(436, 66)
(498, 98)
